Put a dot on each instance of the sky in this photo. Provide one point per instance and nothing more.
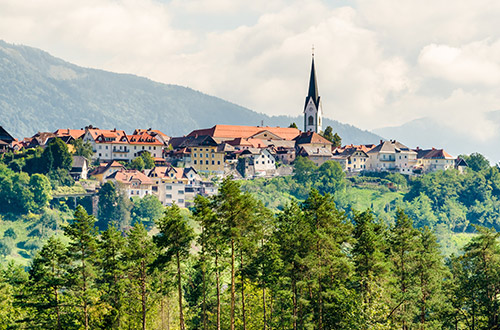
(379, 62)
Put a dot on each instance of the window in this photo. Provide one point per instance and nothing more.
(168, 187)
(206, 162)
(100, 147)
(195, 161)
(218, 162)
(194, 155)
(310, 120)
(181, 201)
(180, 192)
(149, 148)
(213, 162)
(213, 155)
(206, 155)
(168, 196)
(106, 147)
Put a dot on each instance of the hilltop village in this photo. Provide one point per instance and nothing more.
(176, 169)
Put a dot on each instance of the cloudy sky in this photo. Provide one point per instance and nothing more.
(379, 62)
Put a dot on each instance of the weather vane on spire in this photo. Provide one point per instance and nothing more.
(313, 50)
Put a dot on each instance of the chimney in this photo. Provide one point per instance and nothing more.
(381, 141)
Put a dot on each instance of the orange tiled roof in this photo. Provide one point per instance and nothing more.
(159, 172)
(74, 133)
(143, 138)
(104, 166)
(126, 176)
(235, 131)
(141, 130)
(114, 133)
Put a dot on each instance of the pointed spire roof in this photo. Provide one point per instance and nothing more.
(313, 86)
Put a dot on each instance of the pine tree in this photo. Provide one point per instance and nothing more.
(371, 268)
(45, 291)
(112, 275)
(236, 210)
(81, 251)
(174, 241)
(328, 266)
(430, 272)
(140, 253)
(478, 276)
(212, 245)
(403, 252)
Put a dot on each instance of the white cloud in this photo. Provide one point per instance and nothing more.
(475, 63)
(376, 59)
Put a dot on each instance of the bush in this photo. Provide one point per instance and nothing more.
(10, 233)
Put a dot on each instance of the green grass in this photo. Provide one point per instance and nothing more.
(30, 236)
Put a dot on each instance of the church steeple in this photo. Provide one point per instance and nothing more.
(312, 107)
(313, 85)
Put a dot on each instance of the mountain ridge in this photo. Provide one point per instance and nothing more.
(39, 92)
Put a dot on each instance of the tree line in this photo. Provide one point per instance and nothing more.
(231, 263)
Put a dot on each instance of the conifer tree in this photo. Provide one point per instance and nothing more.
(371, 268)
(430, 272)
(212, 245)
(45, 291)
(329, 267)
(403, 252)
(478, 275)
(174, 241)
(112, 275)
(236, 211)
(140, 253)
(82, 251)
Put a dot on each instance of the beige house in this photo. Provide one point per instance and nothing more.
(391, 156)
(432, 160)
(106, 169)
(318, 155)
(351, 159)
(134, 182)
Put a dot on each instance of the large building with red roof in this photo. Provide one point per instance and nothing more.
(117, 145)
(222, 133)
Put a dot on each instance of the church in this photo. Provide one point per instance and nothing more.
(312, 108)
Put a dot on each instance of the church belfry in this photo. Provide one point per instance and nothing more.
(312, 107)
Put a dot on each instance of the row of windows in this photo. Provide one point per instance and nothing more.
(206, 162)
(137, 192)
(135, 147)
(201, 149)
(206, 155)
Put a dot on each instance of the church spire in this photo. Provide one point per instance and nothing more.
(313, 85)
(312, 107)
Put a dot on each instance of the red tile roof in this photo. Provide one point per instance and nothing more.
(234, 131)
(143, 138)
(74, 133)
(127, 176)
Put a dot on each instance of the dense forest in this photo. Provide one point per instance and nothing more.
(316, 250)
(231, 263)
